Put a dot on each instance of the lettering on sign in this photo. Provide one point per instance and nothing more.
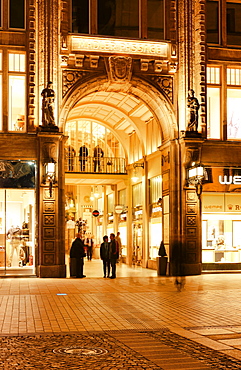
(228, 180)
(119, 46)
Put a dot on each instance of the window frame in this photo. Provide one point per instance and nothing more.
(12, 73)
(142, 16)
(24, 17)
(1, 90)
(217, 84)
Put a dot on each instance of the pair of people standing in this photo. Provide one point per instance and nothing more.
(109, 253)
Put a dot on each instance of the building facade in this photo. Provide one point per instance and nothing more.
(120, 116)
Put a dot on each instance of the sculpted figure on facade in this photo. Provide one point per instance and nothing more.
(48, 96)
(193, 107)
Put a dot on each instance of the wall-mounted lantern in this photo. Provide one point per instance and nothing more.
(50, 174)
(135, 178)
(195, 176)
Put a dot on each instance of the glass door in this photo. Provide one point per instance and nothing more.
(17, 232)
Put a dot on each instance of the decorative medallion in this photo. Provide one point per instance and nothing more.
(47, 195)
(49, 232)
(165, 84)
(191, 208)
(191, 220)
(71, 77)
(49, 259)
(191, 245)
(49, 246)
(48, 207)
(81, 351)
(191, 232)
(191, 196)
(49, 220)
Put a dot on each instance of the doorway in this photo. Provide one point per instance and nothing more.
(17, 232)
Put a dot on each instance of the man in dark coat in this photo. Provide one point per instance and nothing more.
(77, 252)
(114, 255)
(105, 255)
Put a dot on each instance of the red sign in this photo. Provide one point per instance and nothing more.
(95, 213)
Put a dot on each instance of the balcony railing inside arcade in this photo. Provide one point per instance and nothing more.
(111, 165)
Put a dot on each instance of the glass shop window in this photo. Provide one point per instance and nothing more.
(234, 23)
(118, 18)
(155, 19)
(17, 14)
(212, 22)
(213, 113)
(17, 86)
(213, 103)
(234, 103)
(137, 195)
(155, 189)
(110, 203)
(122, 197)
(234, 114)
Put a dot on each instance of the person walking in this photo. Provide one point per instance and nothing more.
(89, 244)
(104, 255)
(118, 239)
(177, 261)
(77, 252)
(114, 254)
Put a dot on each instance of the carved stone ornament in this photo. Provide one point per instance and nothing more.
(120, 69)
(192, 155)
(165, 84)
(50, 152)
(71, 77)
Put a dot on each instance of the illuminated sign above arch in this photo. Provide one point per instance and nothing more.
(123, 46)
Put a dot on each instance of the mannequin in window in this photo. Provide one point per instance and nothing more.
(14, 234)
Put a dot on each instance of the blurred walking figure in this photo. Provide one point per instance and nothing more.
(89, 244)
(105, 255)
(178, 270)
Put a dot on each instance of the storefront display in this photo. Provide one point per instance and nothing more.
(155, 231)
(17, 231)
(221, 223)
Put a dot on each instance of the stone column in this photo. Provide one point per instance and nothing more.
(191, 208)
(51, 227)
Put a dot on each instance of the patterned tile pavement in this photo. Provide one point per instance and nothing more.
(137, 321)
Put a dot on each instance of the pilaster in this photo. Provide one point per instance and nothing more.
(51, 249)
